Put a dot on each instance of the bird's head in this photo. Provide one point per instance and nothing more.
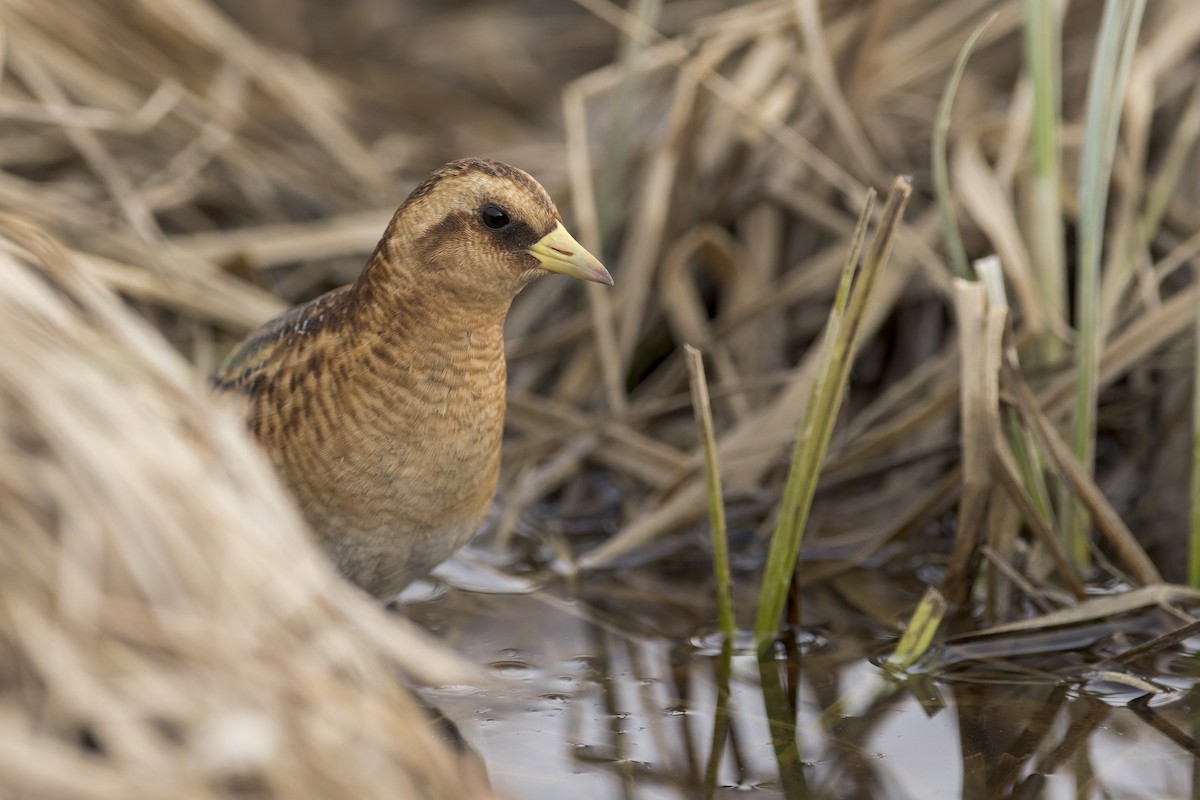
(482, 230)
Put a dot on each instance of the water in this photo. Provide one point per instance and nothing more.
(611, 692)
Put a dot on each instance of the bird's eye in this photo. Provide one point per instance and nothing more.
(494, 217)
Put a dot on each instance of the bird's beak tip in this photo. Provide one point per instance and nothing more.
(559, 252)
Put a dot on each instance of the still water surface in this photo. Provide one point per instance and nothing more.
(609, 691)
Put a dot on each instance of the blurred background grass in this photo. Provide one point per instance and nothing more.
(213, 162)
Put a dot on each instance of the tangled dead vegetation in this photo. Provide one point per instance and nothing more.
(166, 629)
(212, 169)
(727, 205)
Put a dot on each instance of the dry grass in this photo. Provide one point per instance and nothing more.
(206, 166)
(166, 629)
(740, 203)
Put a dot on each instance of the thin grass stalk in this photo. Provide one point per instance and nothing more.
(612, 191)
(1154, 207)
(1030, 465)
(971, 321)
(941, 171)
(829, 93)
(716, 501)
(1008, 474)
(587, 212)
(1000, 532)
(1029, 462)
(1043, 65)
(1173, 168)
(1058, 453)
(1194, 545)
(1106, 88)
(836, 356)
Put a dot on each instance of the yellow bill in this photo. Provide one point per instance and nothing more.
(559, 252)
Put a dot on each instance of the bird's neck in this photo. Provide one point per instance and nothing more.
(398, 305)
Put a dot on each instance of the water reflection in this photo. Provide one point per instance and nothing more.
(614, 692)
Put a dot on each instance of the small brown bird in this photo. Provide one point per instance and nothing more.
(382, 403)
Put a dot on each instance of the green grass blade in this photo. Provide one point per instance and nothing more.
(781, 558)
(1106, 88)
(1043, 64)
(716, 500)
(837, 352)
(1033, 473)
(919, 633)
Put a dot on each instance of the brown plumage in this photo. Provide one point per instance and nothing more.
(382, 403)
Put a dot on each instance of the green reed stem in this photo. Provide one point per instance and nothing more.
(838, 346)
(716, 501)
(1043, 65)
(1119, 27)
